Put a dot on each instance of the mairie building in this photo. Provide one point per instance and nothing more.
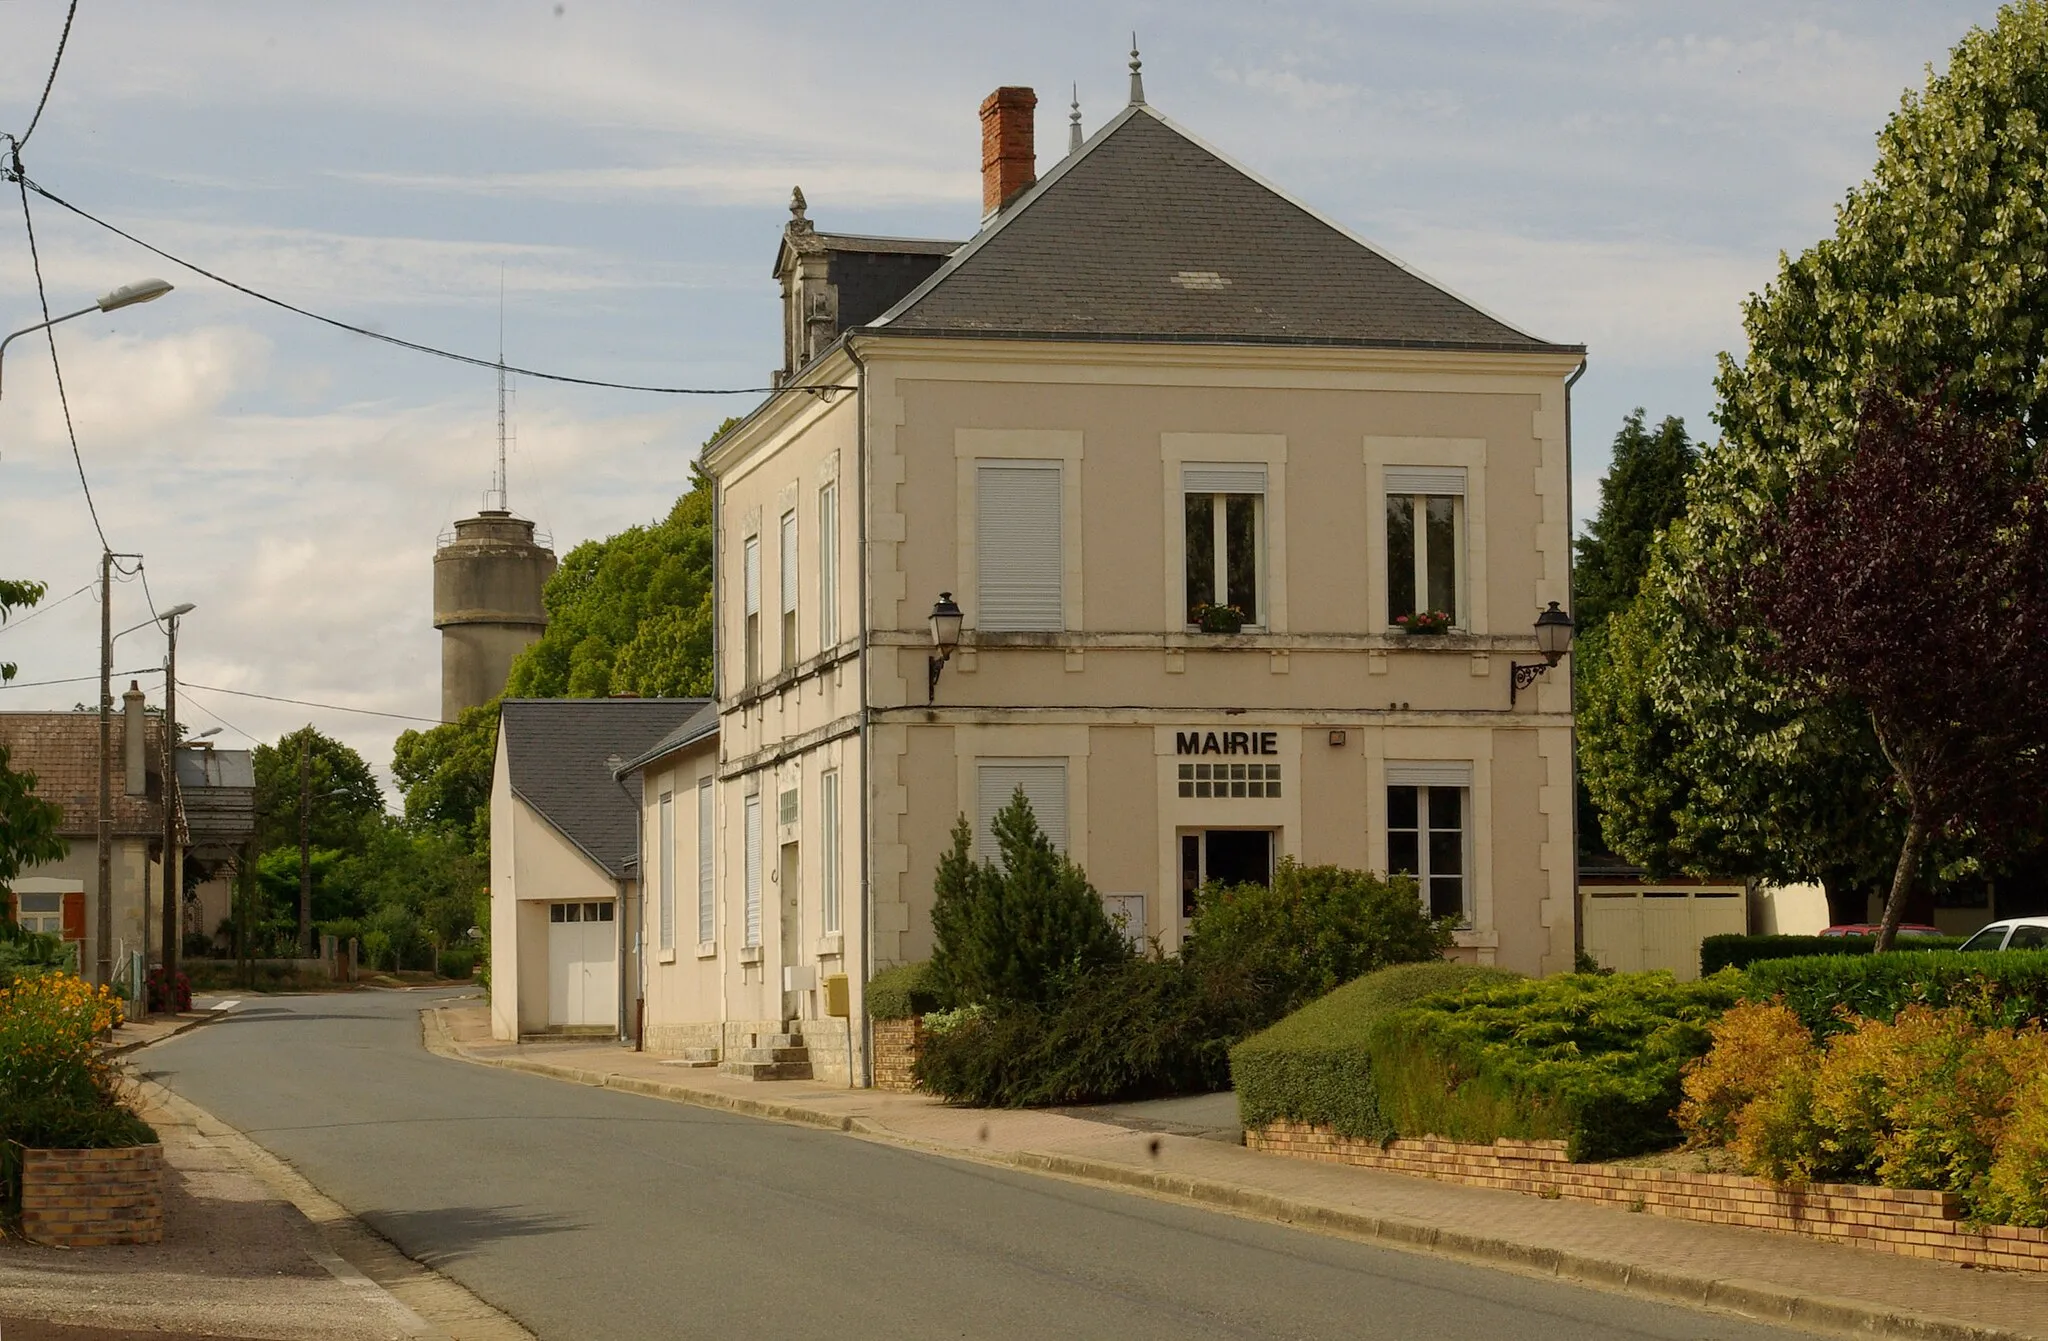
(1181, 460)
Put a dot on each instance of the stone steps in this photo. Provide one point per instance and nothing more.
(780, 1056)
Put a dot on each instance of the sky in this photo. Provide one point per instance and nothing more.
(1602, 172)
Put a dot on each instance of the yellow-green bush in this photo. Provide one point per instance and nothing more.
(57, 1090)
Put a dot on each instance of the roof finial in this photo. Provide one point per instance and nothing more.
(1074, 124)
(796, 202)
(1137, 80)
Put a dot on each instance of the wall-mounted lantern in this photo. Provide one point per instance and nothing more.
(1553, 639)
(946, 619)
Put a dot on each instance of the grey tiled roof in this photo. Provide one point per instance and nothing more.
(1146, 234)
(701, 725)
(558, 752)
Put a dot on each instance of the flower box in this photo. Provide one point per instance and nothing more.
(93, 1198)
(1224, 619)
(1424, 622)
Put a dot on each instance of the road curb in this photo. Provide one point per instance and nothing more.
(1759, 1300)
(182, 1027)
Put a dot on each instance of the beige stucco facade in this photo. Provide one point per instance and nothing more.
(1318, 691)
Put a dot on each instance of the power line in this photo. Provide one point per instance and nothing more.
(79, 679)
(50, 334)
(63, 38)
(308, 703)
(44, 609)
(27, 185)
(193, 699)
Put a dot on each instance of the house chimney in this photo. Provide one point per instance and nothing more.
(1009, 161)
(132, 745)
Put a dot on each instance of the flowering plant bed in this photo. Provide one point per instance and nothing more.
(1217, 618)
(1424, 621)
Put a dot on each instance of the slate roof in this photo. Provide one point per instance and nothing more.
(557, 753)
(1147, 234)
(701, 725)
(63, 750)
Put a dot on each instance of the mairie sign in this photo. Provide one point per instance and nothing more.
(1226, 742)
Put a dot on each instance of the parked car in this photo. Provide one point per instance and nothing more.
(1872, 928)
(2014, 933)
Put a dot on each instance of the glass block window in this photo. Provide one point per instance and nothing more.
(1230, 780)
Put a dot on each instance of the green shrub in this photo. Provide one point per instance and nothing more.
(904, 991)
(456, 963)
(1314, 1066)
(57, 1089)
(1314, 928)
(2005, 989)
(1017, 930)
(1591, 1061)
(1739, 952)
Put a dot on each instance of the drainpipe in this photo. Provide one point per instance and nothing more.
(1570, 603)
(867, 914)
(619, 882)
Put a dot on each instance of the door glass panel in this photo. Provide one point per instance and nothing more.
(1442, 551)
(1201, 554)
(1190, 872)
(1241, 538)
(1400, 556)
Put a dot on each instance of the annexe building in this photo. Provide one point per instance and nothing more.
(1188, 458)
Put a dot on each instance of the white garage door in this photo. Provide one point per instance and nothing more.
(583, 965)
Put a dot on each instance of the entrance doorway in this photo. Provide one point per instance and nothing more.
(583, 979)
(1229, 856)
(789, 884)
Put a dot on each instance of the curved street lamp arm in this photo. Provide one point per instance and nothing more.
(42, 326)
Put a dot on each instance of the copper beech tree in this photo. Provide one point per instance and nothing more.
(1911, 583)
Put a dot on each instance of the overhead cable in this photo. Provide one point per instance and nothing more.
(308, 703)
(50, 333)
(28, 185)
(63, 39)
(45, 609)
(79, 679)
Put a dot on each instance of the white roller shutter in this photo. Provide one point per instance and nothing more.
(788, 562)
(753, 910)
(1018, 537)
(1223, 479)
(1428, 773)
(1045, 786)
(707, 838)
(751, 575)
(1436, 480)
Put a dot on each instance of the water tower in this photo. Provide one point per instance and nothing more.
(488, 576)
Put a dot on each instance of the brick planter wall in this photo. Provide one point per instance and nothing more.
(1898, 1220)
(897, 1044)
(93, 1198)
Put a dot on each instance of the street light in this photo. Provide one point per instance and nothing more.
(1553, 639)
(141, 291)
(946, 619)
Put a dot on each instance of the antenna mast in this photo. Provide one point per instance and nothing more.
(496, 499)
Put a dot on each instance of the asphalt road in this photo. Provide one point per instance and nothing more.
(592, 1214)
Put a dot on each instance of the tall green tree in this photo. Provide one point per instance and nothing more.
(28, 823)
(343, 792)
(1933, 277)
(444, 772)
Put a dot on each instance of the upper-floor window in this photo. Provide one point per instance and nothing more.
(667, 841)
(707, 864)
(1018, 539)
(1225, 507)
(828, 864)
(750, 912)
(750, 581)
(828, 567)
(789, 589)
(1425, 540)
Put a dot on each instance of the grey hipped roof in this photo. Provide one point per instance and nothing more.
(701, 725)
(558, 752)
(1147, 234)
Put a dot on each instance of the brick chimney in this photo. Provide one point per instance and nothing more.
(1009, 160)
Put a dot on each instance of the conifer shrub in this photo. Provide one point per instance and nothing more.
(1315, 1066)
(1591, 1061)
(904, 991)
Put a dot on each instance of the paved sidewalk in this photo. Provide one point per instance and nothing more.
(141, 1033)
(1778, 1277)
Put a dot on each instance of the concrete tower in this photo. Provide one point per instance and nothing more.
(488, 578)
(487, 588)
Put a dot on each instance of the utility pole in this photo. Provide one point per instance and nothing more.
(306, 841)
(103, 917)
(174, 878)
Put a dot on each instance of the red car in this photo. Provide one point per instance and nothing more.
(1872, 928)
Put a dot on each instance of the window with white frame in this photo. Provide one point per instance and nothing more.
(828, 865)
(1429, 811)
(788, 576)
(707, 865)
(1425, 540)
(667, 842)
(1044, 784)
(40, 912)
(751, 937)
(1019, 557)
(1225, 507)
(828, 567)
(750, 581)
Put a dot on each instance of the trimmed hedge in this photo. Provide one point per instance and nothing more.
(2005, 989)
(904, 991)
(1314, 1065)
(1591, 1061)
(1739, 952)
